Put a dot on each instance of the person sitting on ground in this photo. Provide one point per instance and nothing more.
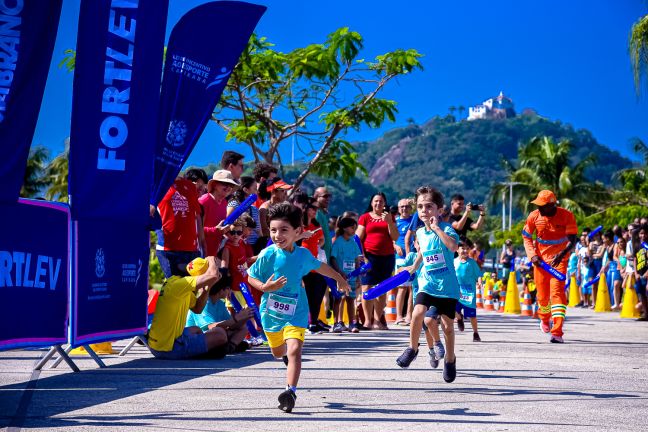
(168, 337)
(216, 315)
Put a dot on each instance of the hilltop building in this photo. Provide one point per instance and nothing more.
(494, 108)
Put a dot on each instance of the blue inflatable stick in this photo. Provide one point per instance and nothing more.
(360, 271)
(269, 242)
(251, 303)
(237, 307)
(387, 285)
(568, 283)
(644, 245)
(592, 282)
(595, 231)
(552, 271)
(238, 211)
(358, 242)
(333, 286)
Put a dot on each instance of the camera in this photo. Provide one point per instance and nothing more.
(474, 206)
(393, 210)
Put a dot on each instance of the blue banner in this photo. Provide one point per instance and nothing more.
(112, 141)
(27, 34)
(34, 286)
(203, 49)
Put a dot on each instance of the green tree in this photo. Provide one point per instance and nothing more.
(35, 179)
(634, 180)
(638, 46)
(56, 174)
(461, 110)
(273, 96)
(544, 164)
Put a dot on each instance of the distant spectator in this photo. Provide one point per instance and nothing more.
(214, 203)
(323, 198)
(233, 162)
(262, 173)
(460, 215)
(248, 187)
(507, 259)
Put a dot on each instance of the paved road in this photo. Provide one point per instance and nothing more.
(513, 380)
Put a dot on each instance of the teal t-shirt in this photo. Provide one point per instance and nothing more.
(212, 313)
(572, 264)
(467, 274)
(289, 305)
(437, 275)
(345, 253)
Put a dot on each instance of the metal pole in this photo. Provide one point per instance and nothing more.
(504, 210)
(510, 205)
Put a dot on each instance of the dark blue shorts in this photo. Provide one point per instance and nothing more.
(466, 311)
(640, 285)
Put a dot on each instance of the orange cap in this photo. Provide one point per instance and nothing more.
(544, 197)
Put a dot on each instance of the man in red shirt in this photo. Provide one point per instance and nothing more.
(214, 204)
(556, 233)
(181, 226)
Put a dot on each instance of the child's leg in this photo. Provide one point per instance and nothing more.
(338, 309)
(416, 325)
(279, 352)
(473, 323)
(433, 327)
(350, 304)
(367, 308)
(401, 295)
(294, 351)
(429, 338)
(410, 304)
(448, 330)
(379, 308)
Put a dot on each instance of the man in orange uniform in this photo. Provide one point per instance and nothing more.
(556, 232)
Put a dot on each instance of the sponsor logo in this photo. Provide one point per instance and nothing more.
(100, 263)
(177, 133)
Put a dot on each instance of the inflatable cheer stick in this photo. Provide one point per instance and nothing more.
(251, 303)
(644, 245)
(387, 285)
(333, 286)
(360, 271)
(595, 231)
(552, 271)
(358, 242)
(238, 211)
(237, 307)
(592, 282)
(568, 283)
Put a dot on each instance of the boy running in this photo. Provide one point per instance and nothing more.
(438, 287)
(467, 274)
(278, 273)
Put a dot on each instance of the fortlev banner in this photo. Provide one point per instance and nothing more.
(34, 286)
(203, 49)
(114, 123)
(27, 34)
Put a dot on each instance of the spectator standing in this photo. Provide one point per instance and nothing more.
(248, 187)
(323, 198)
(233, 162)
(460, 215)
(214, 204)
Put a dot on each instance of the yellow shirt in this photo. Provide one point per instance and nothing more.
(176, 297)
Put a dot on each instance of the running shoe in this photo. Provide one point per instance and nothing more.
(354, 328)
(337, 328)
(405, 359)
(476, 337)
(556, 339)
(439, 350)
(315, 329)
(323, 325)
(434, 362)
(287, 400)
(450, 371)
(344, 327)
(544, 327)
(460, 324)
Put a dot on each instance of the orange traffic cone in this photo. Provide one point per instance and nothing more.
(390, 308)
(488, 297)
(527, 306)
(502, 301)
(479, 301)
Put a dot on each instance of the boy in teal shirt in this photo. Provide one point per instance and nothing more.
(467, 274)
(278, 273)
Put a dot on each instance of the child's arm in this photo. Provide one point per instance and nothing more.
(326, 270)
(448, 241)
(269, 285)
(225, 258)
(335, 266)
(414, 267)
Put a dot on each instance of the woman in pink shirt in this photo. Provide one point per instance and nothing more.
(378, 232)
(214, 204)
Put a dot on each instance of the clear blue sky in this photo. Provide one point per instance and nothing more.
(566, 59)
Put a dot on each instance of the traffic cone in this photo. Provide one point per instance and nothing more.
(602, 296)
(390, 308)
(574, 295)
(513, 303)
(502, 300)
(630, 300)
(527, 306)
(488, 297)
(479, 301)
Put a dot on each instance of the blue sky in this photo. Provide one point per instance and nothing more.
(566, 59)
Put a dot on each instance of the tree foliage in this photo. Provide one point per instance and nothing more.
(638, 46)
(46, 178)
(303, 95)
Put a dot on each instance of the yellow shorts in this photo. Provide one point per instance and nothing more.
(239, 297)
(276, 339)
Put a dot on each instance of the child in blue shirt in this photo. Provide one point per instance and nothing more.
(467, 274)
(345, 257)
(278, 273)
(438, 289)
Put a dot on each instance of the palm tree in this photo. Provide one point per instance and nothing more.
(461, 109)
(544, 164)
(57, 175)
(639, 50)
(634, 180)
(35, 179)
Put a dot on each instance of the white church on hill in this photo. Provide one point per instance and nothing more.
(494, 108)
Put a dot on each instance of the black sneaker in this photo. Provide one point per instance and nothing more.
(434, 362)
(450, 371)
(323, 325)
(405, 359)
(476, 337)
(643, 318)
(460, 324)
(287, 400)
(315, 329)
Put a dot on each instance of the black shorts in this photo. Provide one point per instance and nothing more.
(436, 305)
(382, 267)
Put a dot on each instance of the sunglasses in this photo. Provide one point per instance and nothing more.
(232, 232)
